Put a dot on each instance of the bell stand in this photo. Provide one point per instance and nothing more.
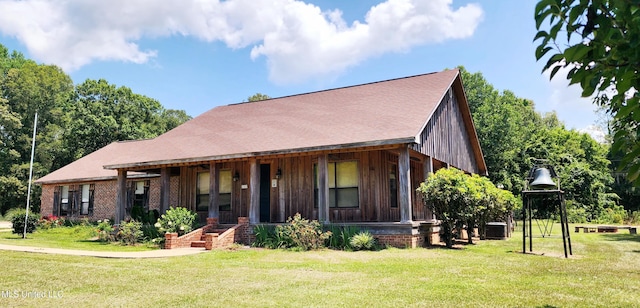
(526, 215)
(539, 183)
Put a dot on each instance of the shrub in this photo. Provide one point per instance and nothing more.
(615, 215)
(176, 220)
(105, 231)
(341, 237)
(12, 212)
(303, 234)
(17, 219)
(48, 222)
(129, 233)
(363, 241)
(145, 217)
(633, 217)
(271, 237)
(151, 234)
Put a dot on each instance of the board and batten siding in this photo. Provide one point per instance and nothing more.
(445, 136)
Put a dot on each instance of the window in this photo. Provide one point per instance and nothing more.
(224, 197)
(84, 203)
(140, 194)
(393, 185)
(224, 191)
(64, 201)
(202, 192)
(343, 184)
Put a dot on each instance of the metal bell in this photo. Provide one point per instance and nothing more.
(542, 179)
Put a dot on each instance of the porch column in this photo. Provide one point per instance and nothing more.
(323, 188)
(428, 168)
(404, 183)
(121, 196)
(165, 189)
(254, 193)
(214, 188)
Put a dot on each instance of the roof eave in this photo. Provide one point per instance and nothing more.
(93, 179)
(403, 140)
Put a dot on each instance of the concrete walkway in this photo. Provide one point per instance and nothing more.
(160, 253)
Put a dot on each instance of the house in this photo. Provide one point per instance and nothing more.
(352, 155)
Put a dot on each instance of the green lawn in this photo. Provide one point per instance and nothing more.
(78, 237)
(604, 272)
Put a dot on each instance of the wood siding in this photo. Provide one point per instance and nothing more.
(445, 136)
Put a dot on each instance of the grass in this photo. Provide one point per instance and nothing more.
(604, 271)
(77, 237)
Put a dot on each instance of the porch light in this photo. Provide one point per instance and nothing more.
(236, 176)
(278, 173)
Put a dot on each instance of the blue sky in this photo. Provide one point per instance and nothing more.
(195, 55)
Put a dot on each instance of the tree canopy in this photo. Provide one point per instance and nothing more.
(512, 134)
(597, 41)
(73, 120)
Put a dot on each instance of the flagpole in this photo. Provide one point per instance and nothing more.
(33, 147)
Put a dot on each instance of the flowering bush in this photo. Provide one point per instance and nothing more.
(48, 222)
(176, 220)
(105, 230)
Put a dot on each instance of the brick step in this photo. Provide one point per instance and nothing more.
(198, 244)
(219, 231)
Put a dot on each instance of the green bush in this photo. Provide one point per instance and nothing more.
(176, 220)
(129, 233)
(150, 232)
(145, 217)
(105, 231)
(363, 241)
(271, 237)
(615, 215)
(12, 212)
(341, 237)
(17, 219)
(633, 217)
(575, 213)
(303, 233)
(297, 233)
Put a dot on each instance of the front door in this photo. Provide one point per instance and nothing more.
(265, 193)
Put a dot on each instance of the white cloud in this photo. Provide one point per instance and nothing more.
(298, 40)
(576, 111)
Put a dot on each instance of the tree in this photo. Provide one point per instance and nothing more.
(258, 97)
(512, 134)
(72, 121)
(102, 113)
(458, 199)
(601, 55)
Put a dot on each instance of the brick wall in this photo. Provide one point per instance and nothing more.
(104, 196)
(104, 200)
(401, 240)
(154, 194)
(46, 200)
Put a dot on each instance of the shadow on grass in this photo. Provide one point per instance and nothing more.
(622, 237)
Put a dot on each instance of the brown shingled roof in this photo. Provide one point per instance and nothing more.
(90, 167)
(385, 112)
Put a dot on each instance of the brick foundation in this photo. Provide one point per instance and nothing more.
(401, 240)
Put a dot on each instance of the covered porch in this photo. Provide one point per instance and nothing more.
(347, 185)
